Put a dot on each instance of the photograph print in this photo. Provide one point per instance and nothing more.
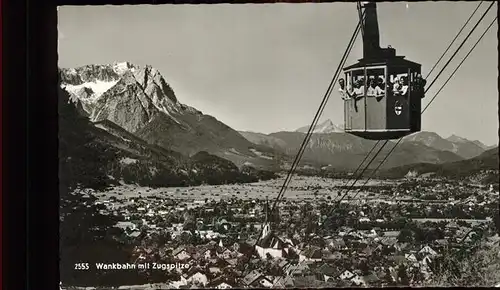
(279, 145)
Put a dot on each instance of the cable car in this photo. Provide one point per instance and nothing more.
(386, 89)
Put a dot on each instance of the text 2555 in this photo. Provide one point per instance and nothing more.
(82, 266)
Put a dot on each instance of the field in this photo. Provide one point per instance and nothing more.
(300, 188)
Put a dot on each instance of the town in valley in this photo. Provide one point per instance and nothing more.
(188, 158)
(391, 234)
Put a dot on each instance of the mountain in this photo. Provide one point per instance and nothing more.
(103, 153)
(458, 145)
(486, 166)
(97, 155)
(345, 151)
(484, 146)
(457, 139)
(263, 139)
(139, 100)
(323, 128)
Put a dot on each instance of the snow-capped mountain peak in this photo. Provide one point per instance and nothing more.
(122, 67)
(90, 91)
(90, 82)
(111, 91)
(323, 128)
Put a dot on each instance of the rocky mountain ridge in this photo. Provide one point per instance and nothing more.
(461, 146)
(339, 149)
(458, 145)
(139, 100)
(325, 127)
(346, 151)
(484, 167)
(103, 152)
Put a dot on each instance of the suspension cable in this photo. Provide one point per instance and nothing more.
(433, 82)
(308, 137)
(338, 201)
(453, 41)
(446, 82)
(466, 56)
(462, 44)
(362, 162)
(361, 174)
(322, 106)
(360, 15)
(366, 167)
(317, 116)
(441, 71)
(440, 89)
(313, 125)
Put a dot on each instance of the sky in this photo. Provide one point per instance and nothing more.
(265, 67)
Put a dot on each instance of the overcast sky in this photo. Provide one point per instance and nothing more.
(265, 68)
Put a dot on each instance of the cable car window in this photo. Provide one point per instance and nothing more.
(345, 89)
(398, 84)
(413, 77)
(349, 81)
(417, 84)
(376, 82)
(358, 83)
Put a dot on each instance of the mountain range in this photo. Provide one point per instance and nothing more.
(101, 150)
(481, 168)
(323, 128)
(329, 145)
(458, 145)
(137, 104)
(140, 101)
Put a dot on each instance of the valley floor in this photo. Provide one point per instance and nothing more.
(307, 188)
(390, 233)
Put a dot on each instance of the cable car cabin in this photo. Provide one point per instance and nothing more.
(384, 90)
(386, 100)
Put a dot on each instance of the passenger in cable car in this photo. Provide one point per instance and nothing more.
(381, 84)
(396, 86)
(404, 86)
(420, 85)
(370, 91)
(374, 90)
(345, 93)
(389, 87)
(359, 89)
(358, 93)
(422, 81)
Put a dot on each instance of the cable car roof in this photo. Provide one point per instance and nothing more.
(397, 61)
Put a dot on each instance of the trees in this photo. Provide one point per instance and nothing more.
(84, 230)
(363, 266)
(405, 236)
(387, 278)
(184, 238)
(310, 225)
(403, 275)
(189, 222)
(85, 238)
(416, 276)
(165, 237)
